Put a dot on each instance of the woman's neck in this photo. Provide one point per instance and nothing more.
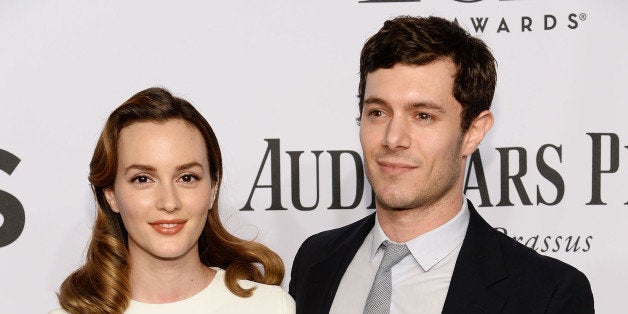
(155, 280)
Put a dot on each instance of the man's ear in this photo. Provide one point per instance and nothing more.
(110, 195)
(474, 135)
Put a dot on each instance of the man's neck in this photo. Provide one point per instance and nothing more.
(403, 225)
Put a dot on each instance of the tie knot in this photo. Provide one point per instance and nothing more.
(394, 253)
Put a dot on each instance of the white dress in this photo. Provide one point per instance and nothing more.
(216, 298)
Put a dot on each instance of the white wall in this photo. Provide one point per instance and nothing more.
(288, 70)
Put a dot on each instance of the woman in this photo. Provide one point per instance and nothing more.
(158, 245)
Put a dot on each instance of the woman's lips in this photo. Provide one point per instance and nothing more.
(168, 227)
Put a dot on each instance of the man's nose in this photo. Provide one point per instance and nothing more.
(397, 134)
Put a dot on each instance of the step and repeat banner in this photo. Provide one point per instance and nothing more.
(278, 80)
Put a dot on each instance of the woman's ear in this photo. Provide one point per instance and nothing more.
(110, 195)
(474, 135)
(215, 188)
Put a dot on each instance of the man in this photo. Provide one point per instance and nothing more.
(425, 91)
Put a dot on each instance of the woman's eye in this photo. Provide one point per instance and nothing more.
(189, 178)
(140, 179)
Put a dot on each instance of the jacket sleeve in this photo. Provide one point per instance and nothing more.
(297, 264)
(572, 295)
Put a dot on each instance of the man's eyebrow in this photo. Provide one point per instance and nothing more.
(426, 105)
(375, 101)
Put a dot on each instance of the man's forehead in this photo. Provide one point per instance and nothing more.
(432, 82)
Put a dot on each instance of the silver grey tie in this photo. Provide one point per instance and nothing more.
(378, 301)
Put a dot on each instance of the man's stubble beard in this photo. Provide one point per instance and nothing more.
(424, 196)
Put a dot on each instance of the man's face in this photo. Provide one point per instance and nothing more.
(411, 136)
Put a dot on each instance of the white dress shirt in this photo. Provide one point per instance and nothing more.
(419, 281)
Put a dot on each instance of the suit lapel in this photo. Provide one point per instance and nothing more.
(324, 276)
(477, 284)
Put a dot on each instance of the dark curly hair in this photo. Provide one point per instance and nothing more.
(419, 41)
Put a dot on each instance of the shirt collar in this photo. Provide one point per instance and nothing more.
(431, 247)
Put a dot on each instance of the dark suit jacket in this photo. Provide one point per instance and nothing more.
(493, 273)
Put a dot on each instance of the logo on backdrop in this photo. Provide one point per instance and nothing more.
(605, 161)
(11, 209)
(506, 25)
(272, 161)
(464, 1)
(554, 243)
(602, 144)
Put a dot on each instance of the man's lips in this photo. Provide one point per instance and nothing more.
(169, 226)
(395, 167)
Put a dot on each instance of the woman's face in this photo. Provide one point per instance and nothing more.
(163, 189)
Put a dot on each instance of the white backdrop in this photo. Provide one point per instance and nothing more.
(287, 72)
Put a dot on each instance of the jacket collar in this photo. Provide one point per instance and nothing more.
(477, 284)
(325, 275)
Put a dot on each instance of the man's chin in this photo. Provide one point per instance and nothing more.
(393, 203)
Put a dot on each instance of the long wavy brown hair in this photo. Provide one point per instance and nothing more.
(102, 284)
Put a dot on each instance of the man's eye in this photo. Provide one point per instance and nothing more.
(376, 113)
(424, 116)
